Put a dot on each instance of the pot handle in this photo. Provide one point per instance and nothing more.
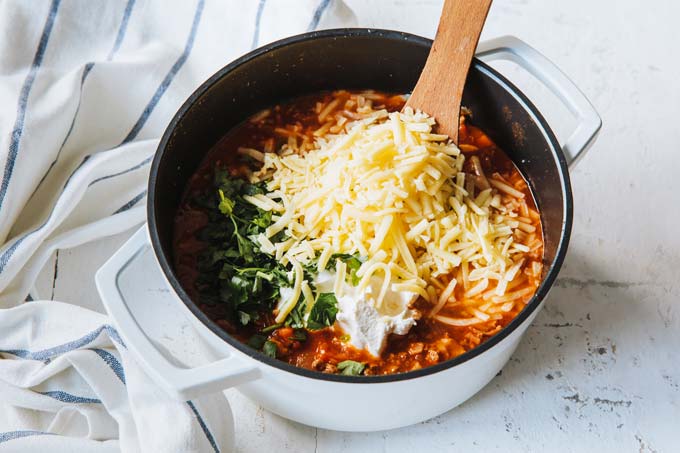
(588, 121)
(181, 383)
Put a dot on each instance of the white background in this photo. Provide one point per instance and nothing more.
(600, 369)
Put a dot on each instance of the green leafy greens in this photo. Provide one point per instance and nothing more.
(241, 282)
(234, 273)
(351, 368)
(269, 348)
(323, 312)
(353, 263)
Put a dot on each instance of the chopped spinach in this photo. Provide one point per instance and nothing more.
(353, 263)
(271, 327)
(296, 317)
(243, 282)
(351, 368)
(323, 312)
(257, 341)
(269, 348)
(234, 273)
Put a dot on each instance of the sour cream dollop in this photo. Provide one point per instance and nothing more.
(367, 325)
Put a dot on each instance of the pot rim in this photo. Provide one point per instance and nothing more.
(530, 307)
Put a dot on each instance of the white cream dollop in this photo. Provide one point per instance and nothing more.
(367, 325)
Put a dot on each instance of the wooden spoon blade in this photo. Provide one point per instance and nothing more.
(439, 89)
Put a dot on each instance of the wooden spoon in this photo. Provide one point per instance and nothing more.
(440, 87)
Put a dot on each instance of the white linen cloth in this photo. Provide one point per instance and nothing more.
(86, 89)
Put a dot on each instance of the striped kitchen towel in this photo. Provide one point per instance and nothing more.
(86, 89)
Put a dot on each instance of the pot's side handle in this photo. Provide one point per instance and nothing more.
(588, 121)
(181, 383)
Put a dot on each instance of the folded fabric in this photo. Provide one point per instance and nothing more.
(72, 385)
(86, 89)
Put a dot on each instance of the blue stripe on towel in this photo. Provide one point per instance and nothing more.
(160, 91)
(168, 78)
(68, 398)
(130, 203)
(11, 435)
(123, 172)
(5, 257)
(112, 362)
(50, 353)
(7, 254)
(122, 29)
(258, 18)
(18, 129)
(318, 14)
(204, 427)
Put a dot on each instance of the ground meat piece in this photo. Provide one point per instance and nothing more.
(371, 370)
(318, 364)
(416, 348)
(330, 368)
(432, 356)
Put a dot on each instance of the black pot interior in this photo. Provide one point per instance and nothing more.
(355, 59)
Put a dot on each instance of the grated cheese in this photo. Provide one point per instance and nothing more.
(395, 192)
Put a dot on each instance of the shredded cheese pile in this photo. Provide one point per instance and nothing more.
(395, 192)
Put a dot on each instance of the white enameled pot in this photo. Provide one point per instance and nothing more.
(341, 402)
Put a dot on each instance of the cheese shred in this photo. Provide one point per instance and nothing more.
(396, 193)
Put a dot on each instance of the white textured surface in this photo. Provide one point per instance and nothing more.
(600, 368)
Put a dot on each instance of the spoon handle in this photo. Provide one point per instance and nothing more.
(440, 87)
